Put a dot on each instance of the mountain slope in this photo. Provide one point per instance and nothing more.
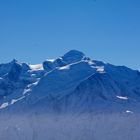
(71, 83)
(69, 98)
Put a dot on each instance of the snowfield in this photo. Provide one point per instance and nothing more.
(69, 98)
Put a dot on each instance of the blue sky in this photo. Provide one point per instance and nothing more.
(107, 30)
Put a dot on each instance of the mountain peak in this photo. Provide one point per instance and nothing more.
(14, 61)
(73, 56)
(75, 52)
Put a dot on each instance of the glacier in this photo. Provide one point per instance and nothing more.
(72, 96)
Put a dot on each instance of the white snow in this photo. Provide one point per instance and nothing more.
(100, 69)
(122, 97)
(16, 100)
(65, 67)
(29, 87)
(90, 62)
(26, 90)
(36, 67)
(4, 105)
(50, 60)
(128, 111)
(13, 101)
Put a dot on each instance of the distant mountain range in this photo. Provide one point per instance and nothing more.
(71, 83)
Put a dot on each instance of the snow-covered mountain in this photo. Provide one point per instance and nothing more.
(69, 98)
(72, 82)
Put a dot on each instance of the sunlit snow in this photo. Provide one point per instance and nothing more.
(65, 67)
(122, 97)
(36, 67)
(4, 105)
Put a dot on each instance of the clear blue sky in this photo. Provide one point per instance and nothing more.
(107, 30)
